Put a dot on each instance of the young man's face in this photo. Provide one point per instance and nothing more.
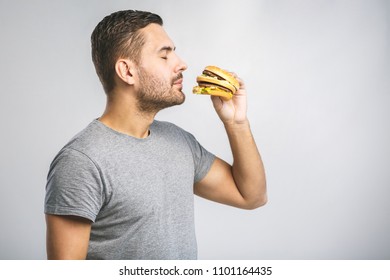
(159, 72)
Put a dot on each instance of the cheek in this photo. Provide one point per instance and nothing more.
(165, 79)
(158, 84)
(158, 76)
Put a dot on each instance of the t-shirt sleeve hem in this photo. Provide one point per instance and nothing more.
(64, 211)
(206, 168)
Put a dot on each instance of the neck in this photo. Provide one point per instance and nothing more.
(121, 114)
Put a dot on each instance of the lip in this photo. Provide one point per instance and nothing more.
(178, 82)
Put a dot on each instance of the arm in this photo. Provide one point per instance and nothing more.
(243, 184)
(67, 237)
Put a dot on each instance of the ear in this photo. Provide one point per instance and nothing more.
(124, 69)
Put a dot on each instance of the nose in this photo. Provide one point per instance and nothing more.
(181, 65)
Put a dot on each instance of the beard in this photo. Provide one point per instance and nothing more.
(156, 94)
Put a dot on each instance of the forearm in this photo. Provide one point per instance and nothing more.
(247, 169)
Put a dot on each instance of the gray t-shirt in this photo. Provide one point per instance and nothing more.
(137, 192)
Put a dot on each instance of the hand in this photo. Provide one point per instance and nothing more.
(232, 111)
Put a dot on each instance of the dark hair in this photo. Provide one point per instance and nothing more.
(116, 36)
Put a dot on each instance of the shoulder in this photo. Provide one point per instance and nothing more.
(157, 124)
(90, 142)
(79, 152)
(177, 135)
(91, 131)
(69, 160)
(168, 128)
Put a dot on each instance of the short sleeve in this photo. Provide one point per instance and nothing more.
(203, 159)
(74, 186)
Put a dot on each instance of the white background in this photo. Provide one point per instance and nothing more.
(317, 74)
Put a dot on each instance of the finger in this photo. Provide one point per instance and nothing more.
(240, 81)
(217, 102)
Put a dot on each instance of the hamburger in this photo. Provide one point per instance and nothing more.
(216, 81)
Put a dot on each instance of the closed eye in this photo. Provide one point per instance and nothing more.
(165, 51)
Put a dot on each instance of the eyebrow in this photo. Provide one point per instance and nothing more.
(167, 48)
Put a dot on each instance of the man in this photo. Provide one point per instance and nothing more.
(123, 187)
